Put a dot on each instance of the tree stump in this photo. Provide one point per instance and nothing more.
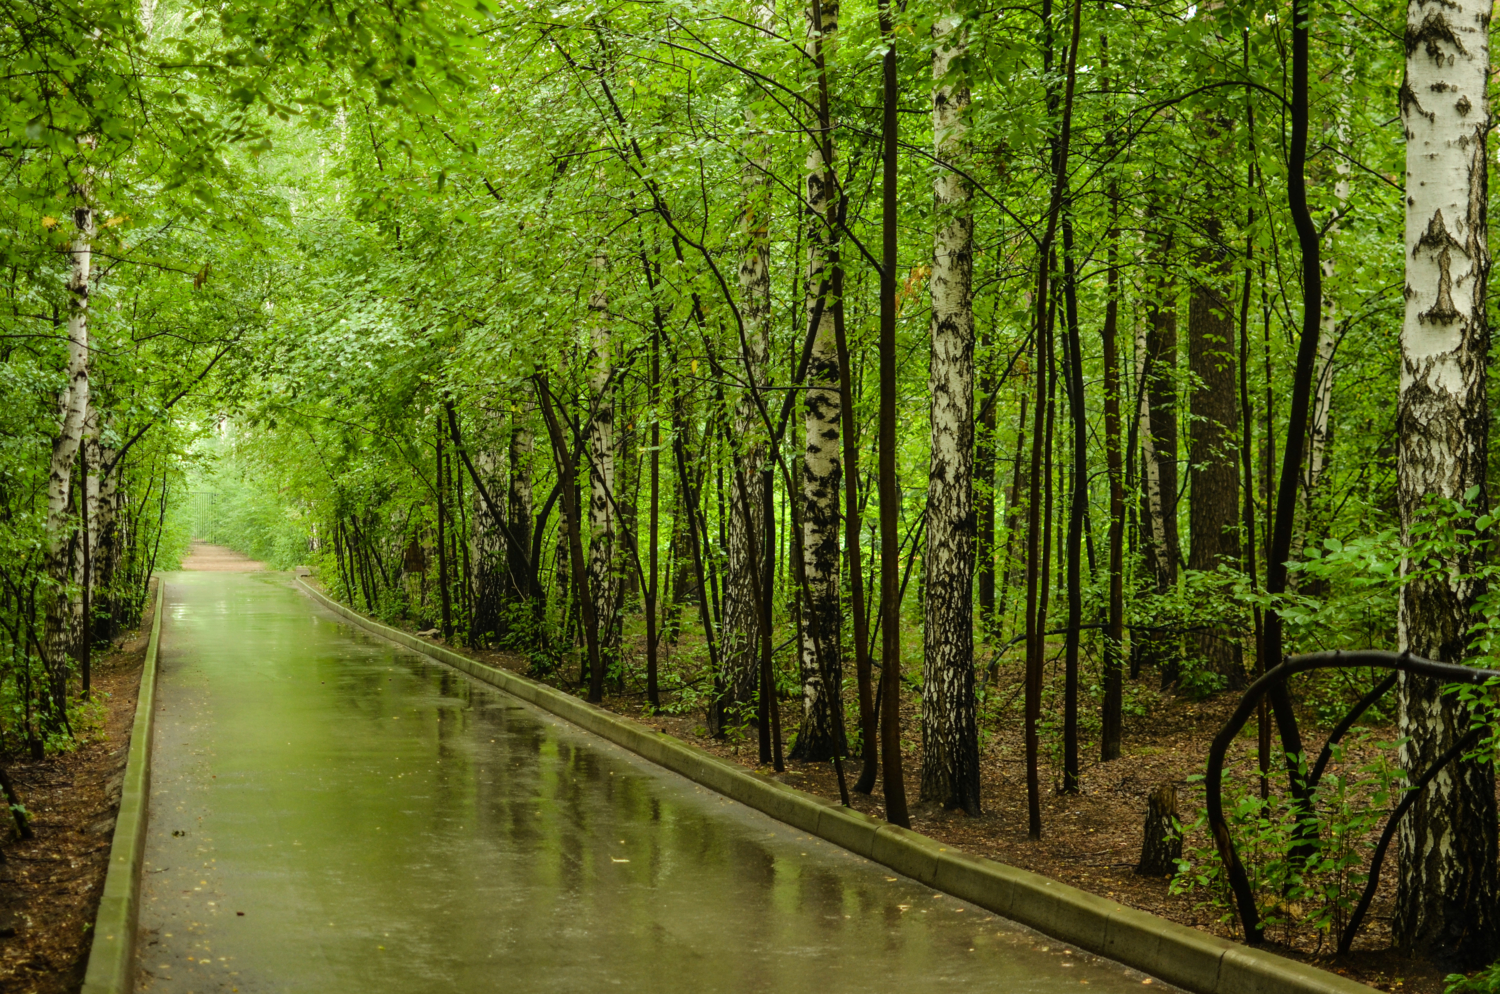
(1162, 846)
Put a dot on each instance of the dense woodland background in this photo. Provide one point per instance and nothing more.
(933, 353)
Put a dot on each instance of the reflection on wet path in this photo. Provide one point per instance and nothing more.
(332, 813)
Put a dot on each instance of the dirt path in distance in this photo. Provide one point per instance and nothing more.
(219, 559)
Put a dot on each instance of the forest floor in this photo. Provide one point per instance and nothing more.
(50, 885)
(1091, 839)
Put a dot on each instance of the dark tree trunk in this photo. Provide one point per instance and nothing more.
(890, 555)
(1213, 511)
(1161, 847)
(985, 449)
(441, 483)
(573, 512)
(1114, 636)
(1159, 541)
(853, 554)
(1073, 374)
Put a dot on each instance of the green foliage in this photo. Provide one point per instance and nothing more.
(1486, 981)
(1315, 892)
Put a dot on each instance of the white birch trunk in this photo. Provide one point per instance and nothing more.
(1446, 891)
(72, 407)
(1152, 532)
(950, 737)
(741, 657)
(91, 493)
(822, 618)
(603, 583)
(487, 543)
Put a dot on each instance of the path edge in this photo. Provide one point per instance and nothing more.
(111, 964)
(1193, 960)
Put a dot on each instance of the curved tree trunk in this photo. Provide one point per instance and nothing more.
(950, 737)
(1322, 399)
(1447, 890)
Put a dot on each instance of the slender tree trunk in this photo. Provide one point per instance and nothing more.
(1446, 893)
(72, 405)
(1114, 452)
(741, 632)
(985, 449)
(890, 497)
(488, 552)
(1035, 561)
(1073, 374)
(1159, 450)
(653, 570)
(822, 618)
(690, 505)
(602, 577)
(519, 500)
(1041, 511)
(567, 475)
(1322, 399)
(440, 479)
(88, 490)
(1012, 516)
(853, 553)
(107, 540)
(950, 736)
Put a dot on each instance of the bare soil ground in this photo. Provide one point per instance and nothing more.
(50, 885)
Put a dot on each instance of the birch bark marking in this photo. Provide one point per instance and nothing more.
(72, 405)
(950, 738)
(486, 547)
(1446, 891)
(741, 612)
(822, 457)
(603, 583)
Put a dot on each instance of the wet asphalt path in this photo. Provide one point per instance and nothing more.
(332, 813)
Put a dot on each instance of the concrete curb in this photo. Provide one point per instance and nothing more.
(111, 968)
(1193, 960)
